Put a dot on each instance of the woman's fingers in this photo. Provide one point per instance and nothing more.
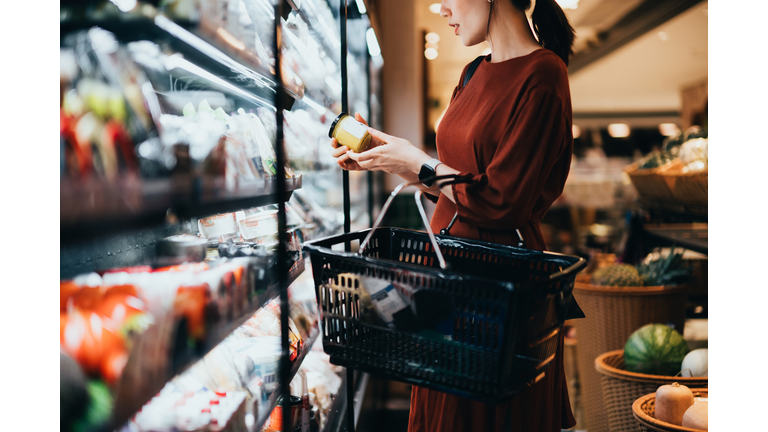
(360, 118)
(364, 156)
(380, 135)
(334, 143)
(339, 151)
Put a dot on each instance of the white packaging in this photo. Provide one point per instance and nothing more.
(261, 224)
(217, 225)
(385, 298)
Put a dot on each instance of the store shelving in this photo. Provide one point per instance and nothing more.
(186, 38)
(92, 209)
(117, 223)
(131, 396)
(693, 236)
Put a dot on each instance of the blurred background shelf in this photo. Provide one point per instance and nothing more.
(95, 209)
(186, 38)
(690, 236)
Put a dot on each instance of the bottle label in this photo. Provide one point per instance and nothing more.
(355, 128)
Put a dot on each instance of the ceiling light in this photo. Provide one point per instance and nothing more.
(430, 45)
(125, 5)
(618, 130)
(668, 129)
(434, 8)
(360, 6)
(663, 36)
(432, 37)
(430, 53)
(373, 44)
(568, 4)
(576, 131)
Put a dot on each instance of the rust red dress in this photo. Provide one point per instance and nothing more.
(510, 128)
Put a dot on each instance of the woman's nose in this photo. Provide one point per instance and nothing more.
(444, 11)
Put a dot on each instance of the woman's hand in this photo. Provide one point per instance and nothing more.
(340, 152)
(394, 155)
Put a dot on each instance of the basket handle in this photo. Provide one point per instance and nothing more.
(451, 180)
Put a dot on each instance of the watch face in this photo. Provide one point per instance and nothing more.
(425, 173)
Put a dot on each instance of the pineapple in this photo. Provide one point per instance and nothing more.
(667, 270)
(617, 275)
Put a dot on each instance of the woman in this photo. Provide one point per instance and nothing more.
(509, 130)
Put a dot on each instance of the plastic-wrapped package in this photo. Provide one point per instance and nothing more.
(186, 404)
(323, 382)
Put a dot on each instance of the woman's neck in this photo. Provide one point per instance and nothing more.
(510, 35)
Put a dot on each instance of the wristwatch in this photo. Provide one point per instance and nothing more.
(428, 171)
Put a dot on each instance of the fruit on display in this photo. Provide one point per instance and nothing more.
(655, 349)
(672, 401)
(696, 417)
(655, 159)
(667, 270)
(655, 270)
(694, 154)
(696, 363)
(617, 275)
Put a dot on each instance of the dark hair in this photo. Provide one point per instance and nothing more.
(550, 24)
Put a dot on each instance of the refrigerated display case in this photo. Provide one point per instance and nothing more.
(182, 216)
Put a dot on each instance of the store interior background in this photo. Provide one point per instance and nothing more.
(639, 75)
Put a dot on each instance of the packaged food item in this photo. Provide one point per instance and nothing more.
(217, 225)
(257, 357)
(383, 298)
(275, 422)
(350, 132)
(185, 404)
(299, 387)
(259, 225)
(178, 249)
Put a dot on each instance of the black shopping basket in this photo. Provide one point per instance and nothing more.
(505, 307)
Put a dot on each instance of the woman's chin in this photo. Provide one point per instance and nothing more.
(470, 42)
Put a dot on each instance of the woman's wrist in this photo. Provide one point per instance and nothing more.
(419, 161)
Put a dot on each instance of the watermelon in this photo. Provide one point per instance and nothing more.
(655, 349)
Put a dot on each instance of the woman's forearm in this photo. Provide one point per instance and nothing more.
(447, 190)
(411, 177)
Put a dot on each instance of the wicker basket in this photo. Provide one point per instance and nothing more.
(621, 389)
(613, 314)
(643, 410)
(690, 189)
(650, 183)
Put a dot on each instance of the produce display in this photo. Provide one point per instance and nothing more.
(696, 363)
(655, 270)
(697, 416)
(689, 148)
(655, 349)
(672, 401)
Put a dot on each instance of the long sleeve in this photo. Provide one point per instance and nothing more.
(504, 196)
